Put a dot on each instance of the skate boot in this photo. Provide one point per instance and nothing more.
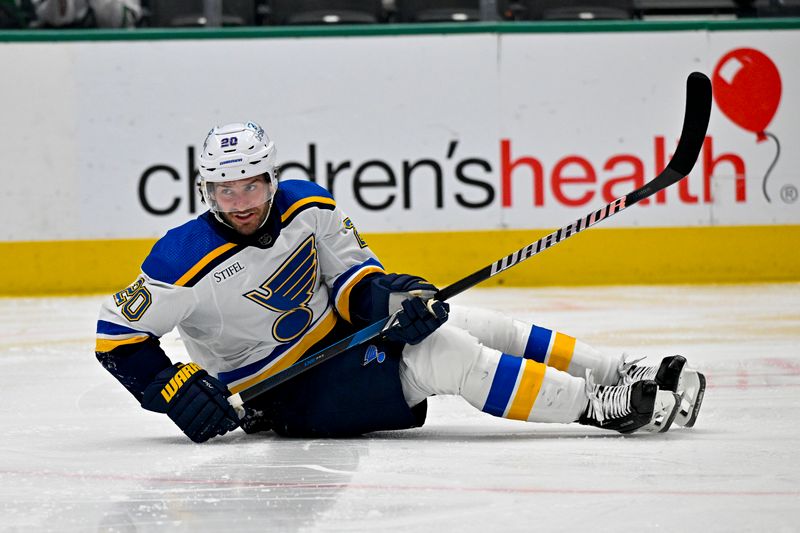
(672, 375)
(627, 408)
(667, 374)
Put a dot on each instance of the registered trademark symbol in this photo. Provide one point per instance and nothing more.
(789, 194)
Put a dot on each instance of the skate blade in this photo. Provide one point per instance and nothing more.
(694, 388)
(666, 408)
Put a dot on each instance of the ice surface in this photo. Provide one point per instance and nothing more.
(78, 454)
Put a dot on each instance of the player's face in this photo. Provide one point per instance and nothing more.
(244, 204)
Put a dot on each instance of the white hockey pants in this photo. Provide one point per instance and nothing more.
(484, 356)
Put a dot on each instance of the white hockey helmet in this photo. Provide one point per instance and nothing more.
(234, 152)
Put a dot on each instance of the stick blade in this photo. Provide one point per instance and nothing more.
(695, 123)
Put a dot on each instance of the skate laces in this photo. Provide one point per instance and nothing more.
(631, 370)
(606, 402)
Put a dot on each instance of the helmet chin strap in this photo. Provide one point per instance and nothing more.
(266, 215)
(220, 219)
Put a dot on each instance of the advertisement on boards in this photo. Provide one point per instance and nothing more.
(430, 133)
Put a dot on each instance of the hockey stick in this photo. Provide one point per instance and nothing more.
(695, 124)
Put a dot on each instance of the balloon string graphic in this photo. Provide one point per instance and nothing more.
(777, 155)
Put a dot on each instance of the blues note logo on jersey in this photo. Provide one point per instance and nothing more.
(372, 354)
(288, 291)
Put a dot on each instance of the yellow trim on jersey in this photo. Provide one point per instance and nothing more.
(293, 354)
(528, 390)
(200, 265)
(343, 299)
(106, 345)
(561, 353)
(305, 201)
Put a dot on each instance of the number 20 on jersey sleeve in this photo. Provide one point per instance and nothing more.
(134, 300)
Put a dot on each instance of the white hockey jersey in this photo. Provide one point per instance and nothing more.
(246, 312)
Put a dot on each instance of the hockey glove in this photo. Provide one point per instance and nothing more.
(194, 400)
(417, 321)
(389, 291)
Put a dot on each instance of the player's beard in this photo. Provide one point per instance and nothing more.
(248, 221)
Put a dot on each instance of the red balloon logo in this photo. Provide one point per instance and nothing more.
(747, 87)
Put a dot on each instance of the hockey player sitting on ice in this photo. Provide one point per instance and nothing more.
(275, 272)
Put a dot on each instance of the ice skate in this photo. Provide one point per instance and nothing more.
(667, 374)
(627, 408)
(671, 375)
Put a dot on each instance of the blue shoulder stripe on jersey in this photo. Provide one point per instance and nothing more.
(208, 263)
(109, 328)
(290, 191)
(345, 276)
(295, 196)
(181, 250)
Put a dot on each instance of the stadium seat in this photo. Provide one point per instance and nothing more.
(717, 8)
(568, 9)
(777, 8)
(16, 14)
(178, 13)
(325, 11)
(649, 9)
(438, 10)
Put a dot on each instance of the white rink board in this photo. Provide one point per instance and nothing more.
(89, 119)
